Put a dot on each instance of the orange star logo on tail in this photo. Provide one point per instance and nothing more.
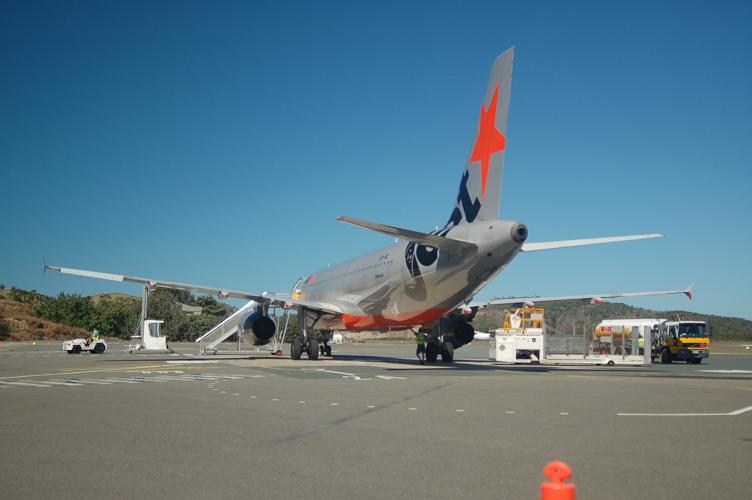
(489, 140)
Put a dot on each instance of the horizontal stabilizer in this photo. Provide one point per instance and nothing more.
(551, 245)
(594, 298)
(451, 245)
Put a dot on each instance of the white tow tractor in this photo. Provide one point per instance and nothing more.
(77, 346)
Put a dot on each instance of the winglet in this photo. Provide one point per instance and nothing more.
(688, 292)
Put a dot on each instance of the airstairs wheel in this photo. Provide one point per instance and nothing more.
(313, 350)
(296, 349)
(447, 352)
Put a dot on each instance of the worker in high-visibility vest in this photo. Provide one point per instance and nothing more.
(95, 335)
(420, 350)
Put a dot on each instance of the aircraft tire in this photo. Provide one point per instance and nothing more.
(313, 350)
(296, 349)
(447, 352)
(432, 352)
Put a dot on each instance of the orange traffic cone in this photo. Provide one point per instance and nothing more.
(556, 488)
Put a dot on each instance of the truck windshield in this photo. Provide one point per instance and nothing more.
(692, 330)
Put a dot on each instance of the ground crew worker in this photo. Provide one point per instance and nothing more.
(420, 351)
(95, 335)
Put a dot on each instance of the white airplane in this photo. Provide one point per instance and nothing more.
(429, 279)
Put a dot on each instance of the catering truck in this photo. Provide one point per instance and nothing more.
(681, 341)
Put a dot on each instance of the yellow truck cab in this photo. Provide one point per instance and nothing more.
(681, 341)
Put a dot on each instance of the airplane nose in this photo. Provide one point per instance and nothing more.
(519, 232)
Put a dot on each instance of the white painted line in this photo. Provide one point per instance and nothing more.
(389, 377)
(236, 394)
(56, 382)
(333, 404)
(563, 413)
(509, 412)
(24, 384)
(724, 371)
(122, 381)
(192, 362)
(253, 397)
(460, 411)
(729, 414)
(371, 406)
(275, 399)
(301, 402)
(223, 392)
(411, 409)
(344, 374)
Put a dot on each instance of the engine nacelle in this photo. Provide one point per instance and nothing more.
(257, 329)
(457, 331)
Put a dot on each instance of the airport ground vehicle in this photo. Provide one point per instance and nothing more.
(681, 341)
(77, 346)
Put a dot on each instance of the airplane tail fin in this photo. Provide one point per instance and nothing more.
(480, 188)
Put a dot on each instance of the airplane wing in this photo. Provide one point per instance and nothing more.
(270, 298)
(595, 298)
(551, 245)
(449, 244)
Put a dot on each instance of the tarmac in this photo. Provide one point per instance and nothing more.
(370, 423)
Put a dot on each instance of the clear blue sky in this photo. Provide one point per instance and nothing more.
(216, 142)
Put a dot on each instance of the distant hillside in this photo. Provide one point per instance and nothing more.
(563, 316)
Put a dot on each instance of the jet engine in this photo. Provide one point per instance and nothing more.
(457, 331)
(256, 329)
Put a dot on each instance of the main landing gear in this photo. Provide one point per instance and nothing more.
(303, 341)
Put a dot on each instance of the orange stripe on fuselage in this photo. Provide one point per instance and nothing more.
(405, 320)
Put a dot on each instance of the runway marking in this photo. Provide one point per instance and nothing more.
(509, 412)
(390, 377)
(55, 382)
(344, 374)
(725, 371)
(92, 381)
(459, 411)
(411, 409)
(78, 372)
(121, 381)
(25, 384)
(564, 413)
(193, 362)
(729, 414)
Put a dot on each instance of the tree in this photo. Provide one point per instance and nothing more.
(72, 310)
(116, 318)
(5, 329)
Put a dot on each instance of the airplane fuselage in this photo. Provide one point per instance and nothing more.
(409, 284)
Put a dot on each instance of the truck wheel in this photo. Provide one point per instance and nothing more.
(98, 349)
(76, 349)
(666, 357)
(70, 351)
